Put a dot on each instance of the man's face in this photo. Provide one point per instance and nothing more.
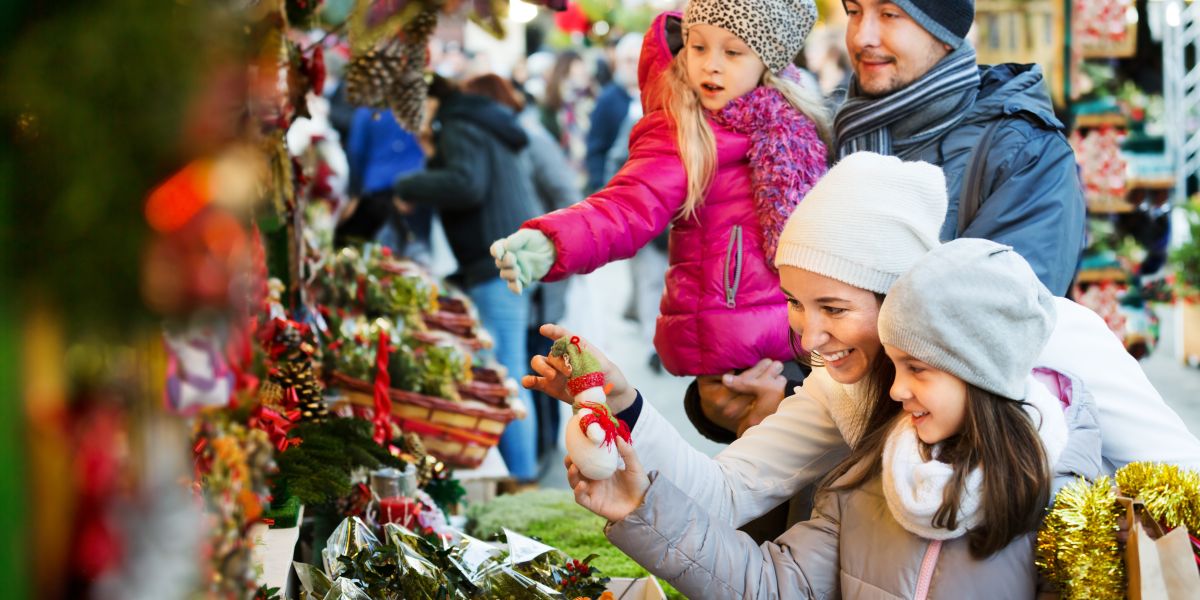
(888, 49)
(625, 63)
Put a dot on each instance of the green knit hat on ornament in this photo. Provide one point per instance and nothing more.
(585, 369)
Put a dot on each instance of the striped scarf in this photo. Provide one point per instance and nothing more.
(865, 123)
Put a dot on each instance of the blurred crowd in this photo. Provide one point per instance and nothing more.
(500, 144)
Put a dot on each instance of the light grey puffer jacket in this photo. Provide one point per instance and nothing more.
(851, 548)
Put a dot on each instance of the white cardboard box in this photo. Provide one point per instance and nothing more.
(642, 588)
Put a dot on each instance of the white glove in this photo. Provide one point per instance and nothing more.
(523, 257)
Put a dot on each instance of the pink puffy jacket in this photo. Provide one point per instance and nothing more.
(722, 307)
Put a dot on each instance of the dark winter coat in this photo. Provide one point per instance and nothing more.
(1032, 196)
(612, 106)
(479, 181)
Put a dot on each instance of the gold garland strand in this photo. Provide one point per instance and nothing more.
(1171, 494)
(1077, 546)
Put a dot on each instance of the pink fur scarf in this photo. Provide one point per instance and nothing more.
(787, 156)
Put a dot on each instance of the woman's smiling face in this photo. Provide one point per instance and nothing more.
(834, 319)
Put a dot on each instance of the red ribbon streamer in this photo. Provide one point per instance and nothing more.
(613, 427)
(383, 382)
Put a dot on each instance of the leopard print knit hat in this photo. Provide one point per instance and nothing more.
(774, 29)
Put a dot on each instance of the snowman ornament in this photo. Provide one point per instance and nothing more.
(592, 432)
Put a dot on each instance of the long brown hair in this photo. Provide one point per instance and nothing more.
(998, 437)
(558, 75)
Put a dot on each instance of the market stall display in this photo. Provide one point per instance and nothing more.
(1117, 133)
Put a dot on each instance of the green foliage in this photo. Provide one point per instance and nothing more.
(553, 517)
(573, 578)
(430, 369)
(284, 511)
(445, 492)
(383, 574)
(1186, 258)
(267, 593)
(318, 470)
(95, 100)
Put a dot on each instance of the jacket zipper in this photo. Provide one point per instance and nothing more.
(735, 240)
(925, 577)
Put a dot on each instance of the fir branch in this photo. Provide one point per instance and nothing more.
(318, 471)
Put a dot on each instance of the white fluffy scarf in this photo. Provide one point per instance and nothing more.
(914, 487)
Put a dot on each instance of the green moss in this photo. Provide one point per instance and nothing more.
(553, 517)
(284, 512)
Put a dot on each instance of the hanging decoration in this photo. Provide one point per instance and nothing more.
(593, 430)
(389, 42)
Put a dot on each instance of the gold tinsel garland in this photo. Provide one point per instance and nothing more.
(1077, 546)
(1171, 494)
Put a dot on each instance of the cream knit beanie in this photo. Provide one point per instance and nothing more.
(867, 221)
(972, 308)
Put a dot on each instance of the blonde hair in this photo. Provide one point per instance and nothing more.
(694, 136)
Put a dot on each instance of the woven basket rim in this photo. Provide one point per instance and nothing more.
(474, 408)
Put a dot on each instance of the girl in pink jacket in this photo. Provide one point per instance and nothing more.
(728, 146)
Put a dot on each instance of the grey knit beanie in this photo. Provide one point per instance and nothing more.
(972, 308)
(867, 221)
(947, 20)
(774, 29)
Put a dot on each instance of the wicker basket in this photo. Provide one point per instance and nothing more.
(459, 433)
(486, 386)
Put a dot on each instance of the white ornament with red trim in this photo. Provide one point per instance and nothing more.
(593, 430)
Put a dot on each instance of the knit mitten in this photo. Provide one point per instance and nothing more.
(523, 257)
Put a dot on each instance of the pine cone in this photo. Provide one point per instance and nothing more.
(394, 76)
(407, 99)
(421, 27)
(371, 76)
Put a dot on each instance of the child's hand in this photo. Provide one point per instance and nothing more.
(552, 373)
(764, 381)
(617, 496)
(523, 257)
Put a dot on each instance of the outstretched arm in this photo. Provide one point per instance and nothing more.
(636, 205)
(769, 464)
(674, 537)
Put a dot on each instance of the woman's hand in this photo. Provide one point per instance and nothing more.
(613, 498)
(551, 374)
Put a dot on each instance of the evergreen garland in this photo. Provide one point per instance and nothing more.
(318, 470)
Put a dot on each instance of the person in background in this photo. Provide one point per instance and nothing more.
(612, 110)
(379, 151)
(479, 181)
(566, 105)
(555, 189)
(826, 57)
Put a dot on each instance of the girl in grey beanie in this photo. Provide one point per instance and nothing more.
(973, 434)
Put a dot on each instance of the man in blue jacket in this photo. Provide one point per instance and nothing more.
(917, 93)
(612, 110)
